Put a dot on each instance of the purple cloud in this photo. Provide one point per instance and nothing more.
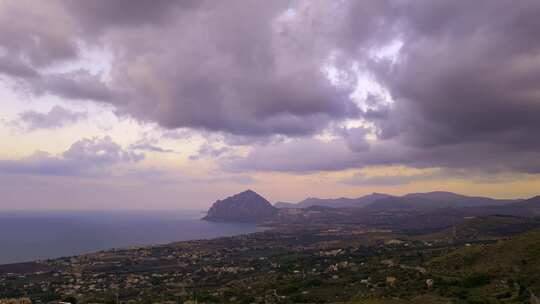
(87, 157)
(57, 117)
(464, 83)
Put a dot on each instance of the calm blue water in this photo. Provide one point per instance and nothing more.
(32, 235)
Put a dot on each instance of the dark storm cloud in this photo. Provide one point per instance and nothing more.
(37, 36)
(38, 33)
(216, 66)
(57, 117)
(74, 85)
(465, 89)
(465, 83)
(96, 17)
(223, 68)
(468, 73)
(13, 67)
(87, 157)
(101, 14)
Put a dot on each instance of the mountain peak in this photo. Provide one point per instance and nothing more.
(248, 191)
(246, 206)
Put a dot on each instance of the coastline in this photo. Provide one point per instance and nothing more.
(27, 237)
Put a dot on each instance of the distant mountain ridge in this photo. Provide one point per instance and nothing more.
(459, 200)
(247, 206)
(435, 199)
(342, 202)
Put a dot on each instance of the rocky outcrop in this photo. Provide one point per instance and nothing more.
(247, 206)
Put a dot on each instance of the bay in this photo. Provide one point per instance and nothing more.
(33, 235)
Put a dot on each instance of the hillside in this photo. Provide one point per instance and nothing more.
(485, 228)
(508, 270)
(532, 205)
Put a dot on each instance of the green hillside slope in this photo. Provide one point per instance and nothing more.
(506, 272)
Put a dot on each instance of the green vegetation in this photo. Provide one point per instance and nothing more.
(506, 272)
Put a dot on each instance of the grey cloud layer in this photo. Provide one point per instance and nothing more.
(465, 83)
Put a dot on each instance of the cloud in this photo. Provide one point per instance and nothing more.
(356, 138)
(100, 15)
(463, 83)
(233, 77)
(207, 150)
(57, 117)
(396, 178)
(149, 145)
(35, 35)
(311, 155)
(463, 77)
(100, 151)
(13, 67)
(86, 157)
(79, 84)
(177, 134)
(303, 155)
(34, 39)
(229, 71)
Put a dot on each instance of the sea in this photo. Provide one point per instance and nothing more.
(36, 235)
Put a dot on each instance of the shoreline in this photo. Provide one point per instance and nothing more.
(133, 247)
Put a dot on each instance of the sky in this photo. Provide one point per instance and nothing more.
(132, 104)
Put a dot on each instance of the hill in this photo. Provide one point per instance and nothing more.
(247, 206)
